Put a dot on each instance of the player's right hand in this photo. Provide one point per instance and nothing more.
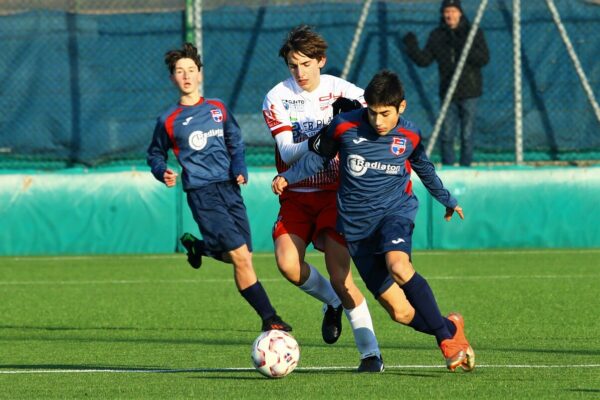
(170, 177)
(450, 211)
(279, 184)
(343, 104)
(410, 40)
(322, 144)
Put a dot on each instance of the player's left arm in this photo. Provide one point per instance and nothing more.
(235, 146)
(425, 169)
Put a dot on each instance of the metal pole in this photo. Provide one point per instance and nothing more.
(455, 77)
(189, 21)
(198, 35)
(357, 33)
(517, 81)
(582, 77)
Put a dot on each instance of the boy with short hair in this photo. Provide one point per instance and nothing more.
(207, 143)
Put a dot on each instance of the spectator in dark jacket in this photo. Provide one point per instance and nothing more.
(444, 46)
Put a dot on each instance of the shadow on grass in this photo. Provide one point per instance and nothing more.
(589, 352)
(224, 373)
(202, 336)
(583, 390)
(114, 328)
(192, 341)
(388, 371)
(320, 372)
(33, 368)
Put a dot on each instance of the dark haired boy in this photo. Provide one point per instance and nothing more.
(207, 143)
(377, 207)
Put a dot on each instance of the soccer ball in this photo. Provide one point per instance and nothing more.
(275, 353)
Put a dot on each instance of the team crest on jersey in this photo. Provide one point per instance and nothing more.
(398, 146)
(217, 115)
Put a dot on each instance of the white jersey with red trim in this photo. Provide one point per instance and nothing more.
(289, 108)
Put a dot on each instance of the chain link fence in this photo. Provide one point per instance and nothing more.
(82, 82)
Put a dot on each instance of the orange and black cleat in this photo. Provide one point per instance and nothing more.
(275, 322)
(469, 364)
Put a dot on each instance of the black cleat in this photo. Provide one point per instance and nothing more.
(332, 324)
(371, 364)
(275, 322)
(193, 246)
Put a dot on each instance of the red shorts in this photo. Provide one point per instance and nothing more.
(307, 215)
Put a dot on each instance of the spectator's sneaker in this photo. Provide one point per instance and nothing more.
(332, 323)
(275, 322)
(193, 246)
(469, 364)
(371, 364)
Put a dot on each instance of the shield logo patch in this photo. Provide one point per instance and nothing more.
(217, 115)
(398, 146)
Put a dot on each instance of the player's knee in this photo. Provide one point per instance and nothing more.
(401, 271)
(291, 268)
(241, 258)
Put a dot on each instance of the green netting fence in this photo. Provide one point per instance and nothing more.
(82, 82)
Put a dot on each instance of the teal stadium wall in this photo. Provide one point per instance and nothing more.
(116, 211)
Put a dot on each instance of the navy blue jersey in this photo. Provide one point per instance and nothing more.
(206, 140)
(374, 173)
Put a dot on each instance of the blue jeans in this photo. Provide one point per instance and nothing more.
(460, 117)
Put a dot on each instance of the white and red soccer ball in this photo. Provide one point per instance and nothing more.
(275, 353)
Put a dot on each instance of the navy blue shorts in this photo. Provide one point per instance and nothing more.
(394, 233)
(219, 211)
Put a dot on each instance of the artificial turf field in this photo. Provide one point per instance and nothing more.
(152, 327)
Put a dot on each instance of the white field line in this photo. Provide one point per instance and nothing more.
(309, 254)
(277, 280)
(340, 368)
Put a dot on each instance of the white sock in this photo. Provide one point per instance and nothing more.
(320, 288)
(362, 328)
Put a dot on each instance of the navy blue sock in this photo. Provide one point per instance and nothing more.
(419, 325)
(256, 296)
(419, 294)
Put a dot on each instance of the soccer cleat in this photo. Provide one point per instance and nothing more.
(332, 323)
(192, 245)
(275, 322)
(454, 353)
(469, 363)
(371, 364)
